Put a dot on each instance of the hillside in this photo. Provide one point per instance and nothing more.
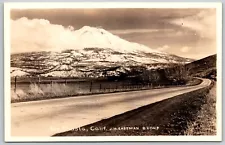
(205, 67)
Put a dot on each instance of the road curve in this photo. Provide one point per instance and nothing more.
(47, 117)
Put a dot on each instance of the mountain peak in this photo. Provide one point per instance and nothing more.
(87, 28)
(98, 37)
(90, 29)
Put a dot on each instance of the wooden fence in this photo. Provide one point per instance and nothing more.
(84, 86)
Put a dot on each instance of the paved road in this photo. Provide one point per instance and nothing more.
(47, 117)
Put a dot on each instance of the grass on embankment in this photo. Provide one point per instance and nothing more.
(168, 117)
(205, 123)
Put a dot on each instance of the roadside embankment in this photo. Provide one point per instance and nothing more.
(205, 122)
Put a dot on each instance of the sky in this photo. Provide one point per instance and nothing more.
(184, 32)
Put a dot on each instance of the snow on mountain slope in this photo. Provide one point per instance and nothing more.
(87, 37)
(17, 72)
(95, 50)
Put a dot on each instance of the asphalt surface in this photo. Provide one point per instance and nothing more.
(47, 117)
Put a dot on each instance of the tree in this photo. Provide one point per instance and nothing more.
(182, 74)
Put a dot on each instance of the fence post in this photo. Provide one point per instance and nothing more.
(15, 85)
(65, 81)
(51, 86)
(39, 80)
(91, 86)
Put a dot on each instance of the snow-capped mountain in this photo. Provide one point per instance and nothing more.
(96, 52)
(89, 37)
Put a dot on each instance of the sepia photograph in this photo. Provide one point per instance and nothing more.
(113, 71)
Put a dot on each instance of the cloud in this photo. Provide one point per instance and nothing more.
(30, 35)
(204, 23)
(185, 49)
(39, 35)
(122, 18)
(163, 48)
(130, 31)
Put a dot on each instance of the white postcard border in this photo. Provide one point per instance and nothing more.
(25, 5)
